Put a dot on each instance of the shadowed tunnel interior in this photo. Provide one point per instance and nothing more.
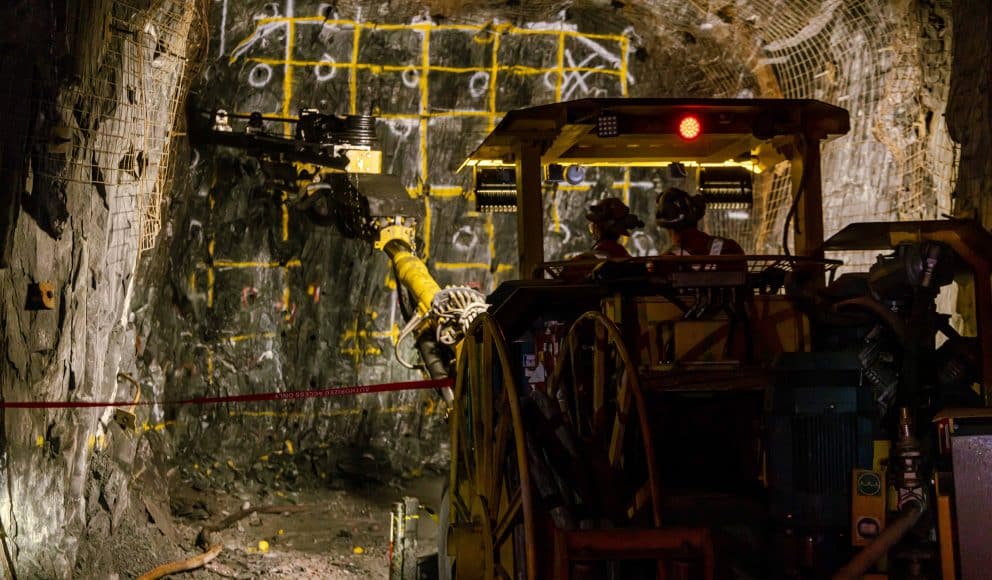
(177, 271)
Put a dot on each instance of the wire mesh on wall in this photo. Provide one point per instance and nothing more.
(889, 66)
(115, 134)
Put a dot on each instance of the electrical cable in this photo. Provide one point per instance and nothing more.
(792, 212)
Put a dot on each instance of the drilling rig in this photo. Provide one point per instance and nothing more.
(699, 410)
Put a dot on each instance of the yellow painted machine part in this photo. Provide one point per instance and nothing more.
(945, 534)
(412, 273)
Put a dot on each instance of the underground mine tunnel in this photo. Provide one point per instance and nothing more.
(521, 290)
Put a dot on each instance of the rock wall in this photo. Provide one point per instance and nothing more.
(85, 148)
(969, 118)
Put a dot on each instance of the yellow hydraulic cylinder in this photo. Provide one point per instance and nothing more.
(412, 273)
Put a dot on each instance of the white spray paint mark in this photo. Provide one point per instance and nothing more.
(402, 128)
(478, 85)
(411, 77)
(601, 51)
(465, 238)
(257, 36)
(563, 229)
(324, 72)
(575, 79)
(260, 75)
(609, 57)
(223, 28)
(559, 25)
(549, 80)
(196, 159)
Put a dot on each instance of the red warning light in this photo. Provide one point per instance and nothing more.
(690, 128)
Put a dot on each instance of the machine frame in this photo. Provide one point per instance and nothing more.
(647, 134)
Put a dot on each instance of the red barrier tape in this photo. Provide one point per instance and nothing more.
(271, 396)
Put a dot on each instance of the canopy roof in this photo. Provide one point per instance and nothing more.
(648, 129)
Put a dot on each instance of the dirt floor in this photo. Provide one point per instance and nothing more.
(322, 533)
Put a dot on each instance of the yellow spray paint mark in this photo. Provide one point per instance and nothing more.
(289, 447)
(210, 287)
(40, 441)
(358, 550)
(263, 546)
(264, 458)
(353, 77)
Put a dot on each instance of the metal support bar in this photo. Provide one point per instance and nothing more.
(530, 210)
(632, 544)
(403, 539)
(809, 215)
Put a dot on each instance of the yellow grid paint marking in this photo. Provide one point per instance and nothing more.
(393, 334)
(210, 287)
(427, 227)
(253, 336)
(446, 191)
(357, 342)
(285, 219)
(353, 75)
(427, 26)
(624, 51)
(554, 213)
(492, 80)
(472, 266)
(287, 101)
(210, 366)
(493, 35)
(380, 68)
(225, 264)
(626, 185)
(491, 232)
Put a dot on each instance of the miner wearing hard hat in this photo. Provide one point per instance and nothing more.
(610, 219)
(680, 213)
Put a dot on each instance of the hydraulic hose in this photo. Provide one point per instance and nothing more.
(891, 319)
(874, 551)
(433, 362)
(412, 273)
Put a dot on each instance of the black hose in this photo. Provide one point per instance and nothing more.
(896, 325)
(792, 212)
(431, 355)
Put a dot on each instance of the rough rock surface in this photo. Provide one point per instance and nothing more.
(66, 473)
